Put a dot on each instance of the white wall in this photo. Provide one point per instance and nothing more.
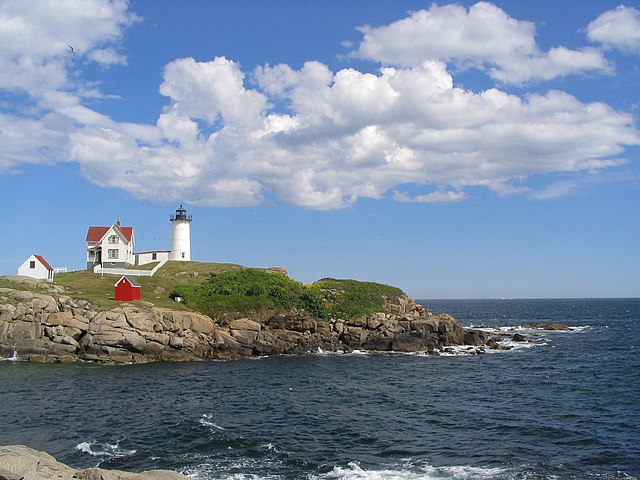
(147, 257)
(180, 241)
(38, 271)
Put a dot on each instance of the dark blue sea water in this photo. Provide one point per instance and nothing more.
(566, 406)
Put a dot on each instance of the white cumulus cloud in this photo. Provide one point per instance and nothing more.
(347, 135)
(483, 36)
(312, 136)
(617, 28)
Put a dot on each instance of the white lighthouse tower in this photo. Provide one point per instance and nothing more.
(180, 236)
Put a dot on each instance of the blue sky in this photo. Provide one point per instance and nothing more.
(456, 150)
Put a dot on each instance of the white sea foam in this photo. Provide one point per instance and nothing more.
(271, 447)
(459, 472)
(206, 421)
(462, 350)
(12, 358)
(513, 345)
(506, 330)
(97, 449)
(223, 470)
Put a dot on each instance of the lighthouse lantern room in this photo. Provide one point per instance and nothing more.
(180, 236)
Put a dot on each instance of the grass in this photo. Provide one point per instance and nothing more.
(99, 290)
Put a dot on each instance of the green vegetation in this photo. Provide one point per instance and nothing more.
(218, 288)
(251, 289)
(350, 298)
(255, 290)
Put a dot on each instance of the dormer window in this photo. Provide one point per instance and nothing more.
(113, 239)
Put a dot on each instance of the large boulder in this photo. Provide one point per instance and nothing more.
(18, 462)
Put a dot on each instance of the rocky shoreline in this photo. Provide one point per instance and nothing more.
(18, 462)
(53, 327)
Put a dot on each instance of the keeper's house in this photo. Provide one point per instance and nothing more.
(110, 247)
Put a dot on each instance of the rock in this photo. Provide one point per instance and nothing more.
(425, 325)
(358, 321)
(22, 295)
(245, 337)
(375, 321)
(161, 338)
(376, 341)
(139, 320)
(290, 322)
(548, 326)
(278, 271)
(18, 462)
(472, 337)
(412, 342)
(44, 302)
(245, 324)
(58, 318)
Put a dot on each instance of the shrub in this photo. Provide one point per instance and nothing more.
(252, 289)
(350, 298)
(281, 297)
(312, 302)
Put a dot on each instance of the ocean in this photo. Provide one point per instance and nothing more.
(564, 406)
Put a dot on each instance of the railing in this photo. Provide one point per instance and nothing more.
(126, 271)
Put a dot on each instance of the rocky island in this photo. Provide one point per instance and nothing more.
(50, 322)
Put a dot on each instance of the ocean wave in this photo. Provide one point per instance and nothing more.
(228, 469)
(256, 469)
(511, 329)
(97, 449)
(206, 421)
(12, 358)
(447, 351)
(462, 472)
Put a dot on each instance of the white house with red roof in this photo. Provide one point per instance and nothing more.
(110, 246)
(36, 267)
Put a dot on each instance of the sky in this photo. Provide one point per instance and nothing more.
(455, 150)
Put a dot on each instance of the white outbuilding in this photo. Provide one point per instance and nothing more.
(36, 267)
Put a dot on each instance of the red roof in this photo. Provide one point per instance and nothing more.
(127, 279)
(95, 234)
(44, 262)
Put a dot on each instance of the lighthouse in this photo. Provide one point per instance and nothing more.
(180, 236)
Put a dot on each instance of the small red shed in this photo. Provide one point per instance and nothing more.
(127, 289)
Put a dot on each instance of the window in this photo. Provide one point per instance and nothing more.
(113, 239)
(112, 253)
(32, 264)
